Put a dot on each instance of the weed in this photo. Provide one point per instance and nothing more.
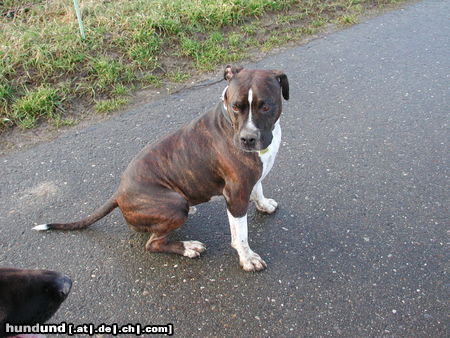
(5, 122)
(204, 53)
(6, 93)
(105, 72)
(36, 104)
(145, 47)
(177, 76)
(348, 19)
(119, 89)
(59, 121)
(318, 23)
(250, 29)
(152, 80)
(234, 41)
(109, 105)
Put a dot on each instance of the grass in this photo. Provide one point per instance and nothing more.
(177, 76)
(46, 69)
(37, 103)
(106, 106)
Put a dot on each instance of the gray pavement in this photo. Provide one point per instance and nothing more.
(358, 246)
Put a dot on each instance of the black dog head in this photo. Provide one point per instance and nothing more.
(28, 297)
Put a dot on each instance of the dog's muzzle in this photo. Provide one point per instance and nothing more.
(248, 139)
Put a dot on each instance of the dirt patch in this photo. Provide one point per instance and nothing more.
(43, 190)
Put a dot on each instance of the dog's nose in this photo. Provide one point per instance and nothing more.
(64, 284)
(248, 139)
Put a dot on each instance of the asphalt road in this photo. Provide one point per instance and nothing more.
(358, 246)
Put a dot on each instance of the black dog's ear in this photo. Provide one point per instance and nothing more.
(230, 71)
(284, 83)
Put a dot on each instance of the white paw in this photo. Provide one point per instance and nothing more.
(266, 205)
(192, 210)
(193, 249)
(252, 262)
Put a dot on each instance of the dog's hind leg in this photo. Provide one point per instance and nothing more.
(159, 243)
(160, 214)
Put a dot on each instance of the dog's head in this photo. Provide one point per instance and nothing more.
(253, 102)
(30, 296)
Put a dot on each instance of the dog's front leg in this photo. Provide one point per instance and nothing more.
(263, 204)
(249, 260)
(237, 196)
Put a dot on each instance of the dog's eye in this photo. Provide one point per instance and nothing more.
(235, 108)
(265, 107)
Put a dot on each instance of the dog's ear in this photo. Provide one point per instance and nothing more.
(230, 71)
(284, 83)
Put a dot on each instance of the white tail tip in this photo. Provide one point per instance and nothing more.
(41, 227)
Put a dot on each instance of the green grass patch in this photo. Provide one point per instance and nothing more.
(119, 90)
(108, 73)
(6, 93)
(178, 76)
(151, 80)
(59, 121)
(34, 105)
(251, 29)
(213, 50)
(46, 69)
(109, 105)
(348, 19)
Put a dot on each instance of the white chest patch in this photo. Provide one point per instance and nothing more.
(268, 157)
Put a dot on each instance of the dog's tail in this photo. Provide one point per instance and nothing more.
(99, 213)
